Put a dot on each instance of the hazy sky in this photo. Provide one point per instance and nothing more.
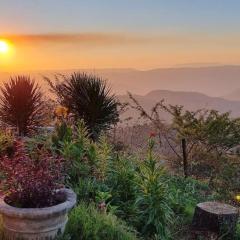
(55, 34)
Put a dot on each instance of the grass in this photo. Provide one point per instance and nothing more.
(87, 223)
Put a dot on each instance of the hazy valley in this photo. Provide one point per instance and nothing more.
(213, 87)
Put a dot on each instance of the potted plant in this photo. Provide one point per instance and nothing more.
(34, 204)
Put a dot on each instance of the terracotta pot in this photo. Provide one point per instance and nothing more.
(36, 223)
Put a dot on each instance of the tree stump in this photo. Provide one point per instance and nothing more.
(215, 217)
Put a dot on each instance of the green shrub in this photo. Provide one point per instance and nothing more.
(74, 148)
(103, 157)
(237, 234)
(86, 223)
(186, 192)
(122, 185)
(35, 145)
(62, 133)
(227, 182)
(87, 189)
(6, 143)
(86, 159)
(153, 200)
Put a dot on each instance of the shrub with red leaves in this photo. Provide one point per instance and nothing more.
(31, 182)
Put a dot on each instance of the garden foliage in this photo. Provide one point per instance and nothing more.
(120, 195)
(87, 223)
(31, 182)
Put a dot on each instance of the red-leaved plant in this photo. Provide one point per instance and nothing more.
(31, 182)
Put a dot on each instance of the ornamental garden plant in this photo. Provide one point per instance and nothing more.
(35, 202)
(32, 182)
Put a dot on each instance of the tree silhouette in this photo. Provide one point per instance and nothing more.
(22, 104)
(87, 97)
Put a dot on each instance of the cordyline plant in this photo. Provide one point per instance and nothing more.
(87, 97)
(22, 104)
(31, 182)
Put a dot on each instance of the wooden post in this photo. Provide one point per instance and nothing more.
(185, 162)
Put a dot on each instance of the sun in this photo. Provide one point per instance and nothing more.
(4, 46)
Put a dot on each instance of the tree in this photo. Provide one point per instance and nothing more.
(22, 104)
(87, 97)
(199, 139)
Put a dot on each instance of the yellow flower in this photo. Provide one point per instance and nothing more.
(61, 111)
(237, 197)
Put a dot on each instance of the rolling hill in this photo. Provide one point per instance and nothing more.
(213, 80)
(233, 96)
(190, 101)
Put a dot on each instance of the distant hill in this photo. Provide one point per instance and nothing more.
(212, 80)
(194, 88)
(190, 101)
(233, 96)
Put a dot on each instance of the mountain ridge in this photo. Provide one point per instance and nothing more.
(190, 100)
(234, 96)
(210, 80)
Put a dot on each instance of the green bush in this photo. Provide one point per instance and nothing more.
(86, 159)
(35, 145)
(87, 189)
(74, 146)
(227, 182)
(155, 213)
(122, 185)
(62, 133)
(6, 143)
(186, 192)
(86, 223)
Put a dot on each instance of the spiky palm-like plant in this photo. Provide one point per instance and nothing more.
(22, 104)
(87, 97)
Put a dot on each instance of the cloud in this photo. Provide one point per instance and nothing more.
(106, 39)
(98, 38)
(80, 38)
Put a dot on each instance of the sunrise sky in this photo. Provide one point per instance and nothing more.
(142, 34)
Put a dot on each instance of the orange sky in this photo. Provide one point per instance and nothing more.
(142, 34)
(116, 50)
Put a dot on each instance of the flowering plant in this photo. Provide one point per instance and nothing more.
(31, 182)
(61, 112)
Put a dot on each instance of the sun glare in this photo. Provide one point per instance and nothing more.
(4, 47)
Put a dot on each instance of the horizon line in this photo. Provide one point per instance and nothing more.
(179, 66)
